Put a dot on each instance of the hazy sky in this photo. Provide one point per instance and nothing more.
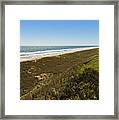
(59, 32)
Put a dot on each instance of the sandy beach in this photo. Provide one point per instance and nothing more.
(52, 53)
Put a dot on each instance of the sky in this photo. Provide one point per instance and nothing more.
(59, 32)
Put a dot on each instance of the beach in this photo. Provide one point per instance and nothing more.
(51, 53)
(48, 76)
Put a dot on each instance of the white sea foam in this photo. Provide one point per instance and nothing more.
(49, 53)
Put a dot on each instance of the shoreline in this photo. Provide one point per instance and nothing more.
(52, 54)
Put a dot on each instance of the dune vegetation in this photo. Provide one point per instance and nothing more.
(72, 76)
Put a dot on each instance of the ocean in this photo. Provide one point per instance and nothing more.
(32, 51)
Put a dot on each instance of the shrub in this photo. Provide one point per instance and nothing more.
(84, 86)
